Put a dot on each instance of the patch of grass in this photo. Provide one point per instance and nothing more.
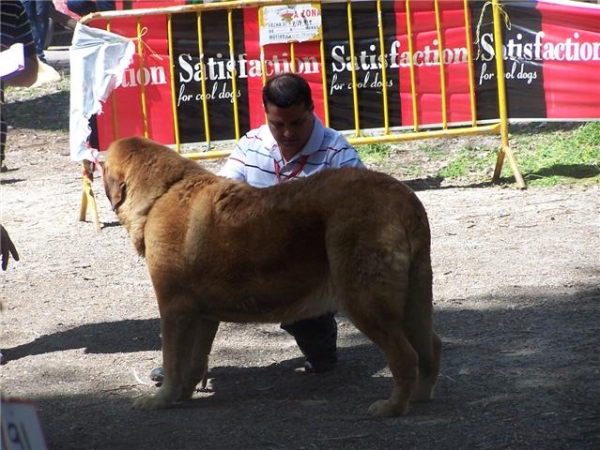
(374, 153)
(570, 155)
(547, 155)
(433, 152)
(469, 161)
(45, 107)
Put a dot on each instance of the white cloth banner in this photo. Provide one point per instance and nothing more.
(98, 61)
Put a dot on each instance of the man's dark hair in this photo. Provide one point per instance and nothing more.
(287, 89)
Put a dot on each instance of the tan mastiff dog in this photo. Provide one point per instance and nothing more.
(221, 250)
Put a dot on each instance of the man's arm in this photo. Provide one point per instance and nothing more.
(343, 153)
(235, 167)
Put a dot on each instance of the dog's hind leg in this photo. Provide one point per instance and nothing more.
(429, 370)
(428, 346)
(384, 327)
(418, 323)
(186, 342)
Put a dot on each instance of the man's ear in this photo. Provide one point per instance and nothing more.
(115, 191)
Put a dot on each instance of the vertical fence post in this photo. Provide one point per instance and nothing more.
(502, 109)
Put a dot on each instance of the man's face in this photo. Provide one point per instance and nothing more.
(291, 127)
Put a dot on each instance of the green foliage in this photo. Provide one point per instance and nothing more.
(559, 156)
(433, 152)
(469, 161)
(44, 107)
(547, 155)
(374, 153)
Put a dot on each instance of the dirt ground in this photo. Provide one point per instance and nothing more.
(516, 284)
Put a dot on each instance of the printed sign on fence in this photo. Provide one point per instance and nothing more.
(550, 48)
(290, 23)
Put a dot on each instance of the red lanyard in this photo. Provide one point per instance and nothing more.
(295, 172)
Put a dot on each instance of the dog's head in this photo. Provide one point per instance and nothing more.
(138, 165)
(138, 171)
(113, 174)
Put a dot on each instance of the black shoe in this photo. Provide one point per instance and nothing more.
(316, 338)
(320, 366)
(157, 375)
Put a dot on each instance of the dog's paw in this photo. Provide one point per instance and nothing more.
(150, 403)
(383, 408)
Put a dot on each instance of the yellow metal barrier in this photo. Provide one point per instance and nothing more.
(360, 137)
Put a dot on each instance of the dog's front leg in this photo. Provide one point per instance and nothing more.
(195, 368)
(187, 341)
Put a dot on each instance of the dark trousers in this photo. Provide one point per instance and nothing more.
(316, 337)
(3, 126)
(83, 8)
(3, 130)
(38, 12)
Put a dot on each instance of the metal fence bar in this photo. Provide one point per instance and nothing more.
(386, 113)
(173, 90)
(353, 65)
(411, 62)
(440, 45)
(359, 137)
(469, 41)
(140, 49)
(200, 31)
(324, 83)
(502, 107)
(234, 77)
(113, 103)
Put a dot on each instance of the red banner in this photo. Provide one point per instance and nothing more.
(427, 60)
(569, 49)
(551, 52)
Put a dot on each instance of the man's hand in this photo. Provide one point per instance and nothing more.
(7, 248)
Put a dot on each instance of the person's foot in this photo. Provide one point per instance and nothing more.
(322, 366)
(316, 338)
(46, 74)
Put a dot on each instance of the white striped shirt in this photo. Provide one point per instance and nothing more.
(257, 160)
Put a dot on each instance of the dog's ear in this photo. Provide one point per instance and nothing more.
(115, 190)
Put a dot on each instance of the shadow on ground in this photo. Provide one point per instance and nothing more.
(521, 371)
(49, 112)
(578, 171)
(105, 337)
